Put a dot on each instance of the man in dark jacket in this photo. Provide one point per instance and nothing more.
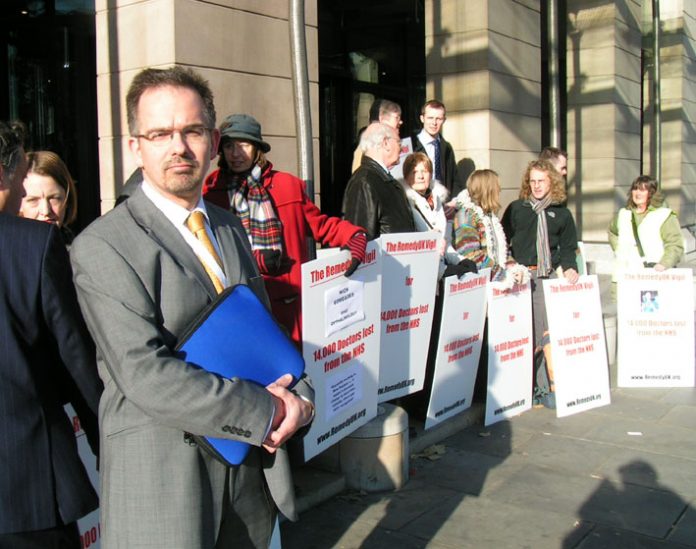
(430, 141)
(373, 198)
(47, 360)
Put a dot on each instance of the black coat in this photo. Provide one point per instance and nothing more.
(47, 359)
(376, 201)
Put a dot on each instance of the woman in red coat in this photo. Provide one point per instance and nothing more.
(277, 215)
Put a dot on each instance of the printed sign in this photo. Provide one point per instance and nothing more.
(655, 322)
(458, 347)
(409, 279)
(578, 348)
(510, 350)
(341, 339)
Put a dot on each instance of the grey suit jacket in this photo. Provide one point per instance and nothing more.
(140, 286)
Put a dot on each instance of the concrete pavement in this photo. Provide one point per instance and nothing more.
(620, 476)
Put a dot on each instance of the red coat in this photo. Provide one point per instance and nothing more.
(299, 217)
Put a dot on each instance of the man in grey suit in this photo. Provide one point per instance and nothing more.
(142, 279)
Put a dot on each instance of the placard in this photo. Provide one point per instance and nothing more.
(409, 280)
(510, 350)
(578, 347)
(341, 340)
(88, 526)
(458, 347)
(655, 324)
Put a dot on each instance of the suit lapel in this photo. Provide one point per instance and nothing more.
(160, 229)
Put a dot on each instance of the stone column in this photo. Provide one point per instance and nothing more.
(241, 46)
(483, 61)
(604, 109)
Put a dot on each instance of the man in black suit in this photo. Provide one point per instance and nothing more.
(47, 359)
(430, 141)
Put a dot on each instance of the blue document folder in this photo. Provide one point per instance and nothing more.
(236, 336)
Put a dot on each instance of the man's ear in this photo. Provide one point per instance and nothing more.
(422, 119)
(134, 146)
(215, 143)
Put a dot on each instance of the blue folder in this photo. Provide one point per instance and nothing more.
(236, 336)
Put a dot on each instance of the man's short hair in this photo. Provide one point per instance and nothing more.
(177, 77)
(552, 153)
(11, 141)
(374, 135)
(380, 107)
(433, 104)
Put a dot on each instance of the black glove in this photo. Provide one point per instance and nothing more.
(463, 267)
(272, 262)
(356, 245)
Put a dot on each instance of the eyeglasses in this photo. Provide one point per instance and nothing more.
(191, 135)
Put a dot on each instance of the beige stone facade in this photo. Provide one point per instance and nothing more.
(241, 46)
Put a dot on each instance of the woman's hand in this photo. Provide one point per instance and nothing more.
(659, 267)
(571, 275)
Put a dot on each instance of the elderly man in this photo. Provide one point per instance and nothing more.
(373, 199)
(384, 111)
(47, 359)
(144, 272)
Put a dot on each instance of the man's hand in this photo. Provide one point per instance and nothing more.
(571, 275)
(659, 267)
(291, 413)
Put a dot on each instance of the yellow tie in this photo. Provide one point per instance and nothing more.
(196, 224)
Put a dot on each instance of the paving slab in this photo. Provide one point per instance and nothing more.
(498, 439)
(633, 405)
(680, 396)
(684, 530)
(609, 538)
(545, 421)
(483, 523)
(681, 416)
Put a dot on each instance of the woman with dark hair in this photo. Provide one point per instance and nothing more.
(645, 233)
(478, 234)
(49, 192)
(542, 236)
(277, 215)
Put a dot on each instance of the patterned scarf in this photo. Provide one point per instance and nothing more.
(252, 204)
(544, 265)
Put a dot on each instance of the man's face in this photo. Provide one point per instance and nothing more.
(432, 120)
(561, 165)
(175, 167)
(392, 119)
(540, 183)
(392, 149)
(11, 184)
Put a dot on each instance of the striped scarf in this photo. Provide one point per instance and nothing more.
(252, 204)
(544, 265)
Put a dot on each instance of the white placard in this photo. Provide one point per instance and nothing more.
(458, 347)
(88, 526)
(344, 364)
(510, 351)
(397, 171)
(409, 279)
(578, 347)
(655, 322)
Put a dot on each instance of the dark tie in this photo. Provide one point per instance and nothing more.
(196, 224)
(438, 160)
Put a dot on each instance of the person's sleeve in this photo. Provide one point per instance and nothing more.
(78, 380)
(330, 231)
(569, 243)
(613, 232)
(129, 332)
(468, 239)
(672, 241)
(360, 208)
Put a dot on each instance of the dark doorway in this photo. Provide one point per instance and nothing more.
(368, 49)
(48, 81)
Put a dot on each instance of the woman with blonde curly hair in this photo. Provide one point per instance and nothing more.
(542, 236)
(478, 234)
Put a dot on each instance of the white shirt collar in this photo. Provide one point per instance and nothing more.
(174, 212)
(425, 138)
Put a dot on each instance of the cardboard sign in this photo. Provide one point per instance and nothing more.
(510, 350)
(341, 340)
(655, 323)
(409, 281)
(578, 347)
(458, 347)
